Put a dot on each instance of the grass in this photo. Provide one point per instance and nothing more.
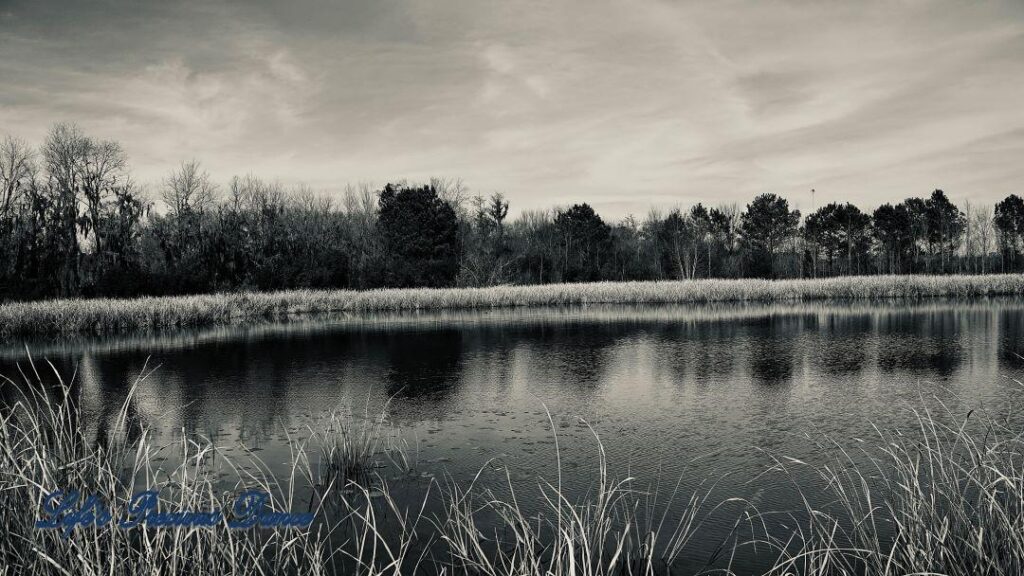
(361, 528)
(944, 496)
(107, 316)
(353, 444)
(615, 529)
(44, 448)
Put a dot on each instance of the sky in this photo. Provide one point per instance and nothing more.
(626, 105)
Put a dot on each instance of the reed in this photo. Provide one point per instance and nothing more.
(361, 528)
(616, 528)
(354, 445)
(107, 316)
(44, 448)
(944, 496)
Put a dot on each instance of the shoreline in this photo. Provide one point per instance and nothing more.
(45, 345)
(125, 316)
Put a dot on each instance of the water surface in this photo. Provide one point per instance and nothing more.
(704, 394)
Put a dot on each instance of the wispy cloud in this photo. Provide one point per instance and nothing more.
(621, 104)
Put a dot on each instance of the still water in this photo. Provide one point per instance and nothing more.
(699, 394)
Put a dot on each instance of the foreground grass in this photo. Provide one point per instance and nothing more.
(944, 496)
(142, 314)
(360, 529)
(44, 449)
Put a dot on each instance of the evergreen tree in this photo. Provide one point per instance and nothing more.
(420, 237)
(766, 226)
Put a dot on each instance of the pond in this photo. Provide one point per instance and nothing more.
(702, 395)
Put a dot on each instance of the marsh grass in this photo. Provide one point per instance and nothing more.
(361, 527)
(45, 448)
(354, 445)
(615, 528)
(944, 496)
(108, 316)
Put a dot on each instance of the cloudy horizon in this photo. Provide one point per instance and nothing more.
(626, 106)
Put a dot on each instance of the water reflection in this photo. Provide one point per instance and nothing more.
(926, 342)
(1011, 338)
(259, 375)
(571, 356)
(710, 350)
(840, 342)
(423, 365)
(675, 391)
(110, 389)
(773, 349)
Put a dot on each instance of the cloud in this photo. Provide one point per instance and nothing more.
(623, 105)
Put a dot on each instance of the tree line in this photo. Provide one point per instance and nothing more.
(74, 223)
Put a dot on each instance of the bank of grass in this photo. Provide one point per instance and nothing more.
(105, 316)
(943, 496)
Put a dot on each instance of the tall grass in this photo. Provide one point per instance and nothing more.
(354, 445)
(113, 316)
(944, 496)
(615, 528)
(361, 528)
(44, 448)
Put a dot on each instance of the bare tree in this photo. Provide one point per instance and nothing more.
(311, 201)
(17, 169)
(267, 197)
(984, 233)
(361, 208)
(535, 228)
(84, 171)
(453, 191)
(360, 200)
(240, 191)
(103, 165)
(188, 189)
(970, 243)
(63, 153)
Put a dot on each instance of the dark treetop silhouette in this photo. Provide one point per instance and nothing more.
(73, 223)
